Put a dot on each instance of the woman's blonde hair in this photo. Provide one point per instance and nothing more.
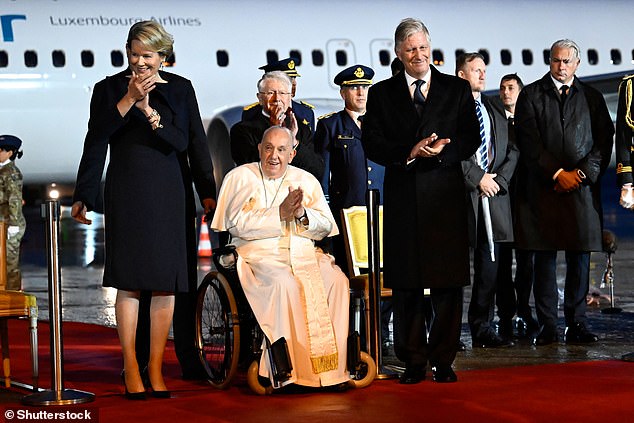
(153, 36)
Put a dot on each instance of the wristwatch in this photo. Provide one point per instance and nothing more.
(303, 219)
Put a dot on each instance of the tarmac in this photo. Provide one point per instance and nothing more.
(81, 253)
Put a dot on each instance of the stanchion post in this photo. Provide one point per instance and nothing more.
(57, 395)
(372, 200)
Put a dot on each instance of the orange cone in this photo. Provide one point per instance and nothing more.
(204, 244)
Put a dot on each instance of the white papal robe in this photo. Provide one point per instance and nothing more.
(296, 291)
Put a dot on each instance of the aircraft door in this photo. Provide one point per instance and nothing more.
(341, 54)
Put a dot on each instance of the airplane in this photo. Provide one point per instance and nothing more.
(52, 53)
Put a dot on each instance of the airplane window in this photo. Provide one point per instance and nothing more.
(4, 59)
(460, 52)
(116, 58)
(438, 57)
(505, 57)
(341, 58)
(272, 56)
(222, 58)
(546, 56)
(87, 59)
(30, 59)
(318, 57)
(59, 58)
(485, 54)
(297, 56)
(593, 56)
(385, 57)
(615, 56)
(527, 57)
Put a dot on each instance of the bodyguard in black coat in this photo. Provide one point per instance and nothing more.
(488, 185)
(426, 241)
(564, 132)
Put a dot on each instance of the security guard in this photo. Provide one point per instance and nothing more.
(303, 111)
(11, 206)
(348, 173)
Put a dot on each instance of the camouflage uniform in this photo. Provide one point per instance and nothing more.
(11, 211)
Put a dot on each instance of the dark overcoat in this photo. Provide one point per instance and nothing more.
(504, 163)
(425, 207)
(148, 194)
(578, 137)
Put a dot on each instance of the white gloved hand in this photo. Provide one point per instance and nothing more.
(627, 196)
(13, 231)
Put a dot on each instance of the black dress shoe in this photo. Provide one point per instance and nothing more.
(547, 336)
(491, 340)
(412, 375)
(443, 374)
(505, 329)
(579, 334)
(527, 327)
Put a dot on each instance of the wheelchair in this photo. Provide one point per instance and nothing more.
(229, 338)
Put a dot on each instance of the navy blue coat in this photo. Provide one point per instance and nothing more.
(149, 206)
(348, 173)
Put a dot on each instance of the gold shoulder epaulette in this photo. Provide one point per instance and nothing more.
(251, 106)
(327, 115)
(626, 77)
(307, 104)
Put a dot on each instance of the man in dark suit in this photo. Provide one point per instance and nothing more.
(274, 95)
(564, 132)
(487, 176)
(421, 124)
(303, 111)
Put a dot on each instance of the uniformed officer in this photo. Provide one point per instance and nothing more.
(348, 173)
(11, 206)
(303, 111)
(624, 135)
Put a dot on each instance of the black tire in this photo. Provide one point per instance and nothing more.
(217, 329)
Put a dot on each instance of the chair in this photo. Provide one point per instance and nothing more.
(15, 304)
(355, 234)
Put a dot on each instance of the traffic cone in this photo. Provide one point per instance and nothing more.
(204, 244)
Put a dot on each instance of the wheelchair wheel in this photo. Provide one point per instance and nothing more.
(365, 372)
(217, 329)
(256, 382)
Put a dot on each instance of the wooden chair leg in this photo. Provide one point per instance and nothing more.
(6, 364)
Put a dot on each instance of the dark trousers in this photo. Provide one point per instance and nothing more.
(513, 295)
(410, 329)
(575, 288)
(505, 298)
(524, 279)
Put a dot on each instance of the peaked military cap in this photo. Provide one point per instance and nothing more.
(10, 141)
(285, 65)
(355, 75)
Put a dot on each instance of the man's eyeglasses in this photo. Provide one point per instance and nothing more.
(272, 93)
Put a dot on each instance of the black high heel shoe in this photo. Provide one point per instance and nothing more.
(161, 394)
(134, 396)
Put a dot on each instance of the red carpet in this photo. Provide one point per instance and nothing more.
(594, 391)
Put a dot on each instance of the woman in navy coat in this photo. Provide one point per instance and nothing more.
(150, 121)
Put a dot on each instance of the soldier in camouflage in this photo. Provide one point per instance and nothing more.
(11, 206)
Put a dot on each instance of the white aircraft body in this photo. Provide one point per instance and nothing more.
(52, 52)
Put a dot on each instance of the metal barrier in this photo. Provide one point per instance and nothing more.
(57, 395)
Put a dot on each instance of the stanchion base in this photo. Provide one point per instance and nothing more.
(388, 372)
(628, 357)
(611, 310)
(63, 397)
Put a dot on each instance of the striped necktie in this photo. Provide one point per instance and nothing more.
(483, 152)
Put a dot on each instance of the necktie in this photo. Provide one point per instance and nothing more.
(360, 120)
(511, 120)
(564, 92)
(482, 150)
(419, 98)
